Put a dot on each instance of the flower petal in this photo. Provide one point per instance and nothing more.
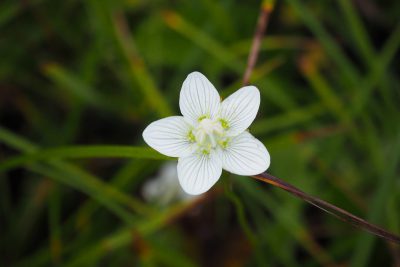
(197, 173)
(240, 109)
(169, 136)
(198, 98)
(245, 155)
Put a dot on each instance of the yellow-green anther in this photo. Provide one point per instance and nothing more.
(224, 123)
(203, 117)
(224, 143)
(191, 137)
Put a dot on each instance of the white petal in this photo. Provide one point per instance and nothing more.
(240, 109)
(245, 155)
(169, 136)
(197, 173)
(198, 98)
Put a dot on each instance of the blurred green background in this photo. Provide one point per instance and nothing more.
(96, 72)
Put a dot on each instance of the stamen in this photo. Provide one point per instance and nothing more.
(208, 134)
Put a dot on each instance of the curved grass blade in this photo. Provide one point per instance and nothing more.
(71, 175)
(81, 152)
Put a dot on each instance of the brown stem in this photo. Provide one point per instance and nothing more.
(329, 208)
(262, 23)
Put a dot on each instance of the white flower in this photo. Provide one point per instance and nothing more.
(210, 136)
(164, 188)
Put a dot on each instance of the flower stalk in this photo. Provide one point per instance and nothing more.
(329, 208)
(266, 9)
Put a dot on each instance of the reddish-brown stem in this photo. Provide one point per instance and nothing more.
(258, 35)
(329, 208)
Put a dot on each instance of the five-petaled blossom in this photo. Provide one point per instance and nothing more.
(210, 136)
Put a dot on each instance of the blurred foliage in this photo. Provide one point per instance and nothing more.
(78, 73)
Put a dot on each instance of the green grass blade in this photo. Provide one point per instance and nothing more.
(82, 152)
(374, 76)
(285, 218)
(358, 32)
(71, 83)
(138, 68)
(384, 191)
(75, 177)
(329, 44)
(123, 237)
(268, 84)
(287, 119)
(9, 138)
(190, 31)
(83, 184)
